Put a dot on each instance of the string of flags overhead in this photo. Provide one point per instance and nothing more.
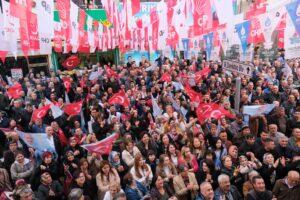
(184, 25)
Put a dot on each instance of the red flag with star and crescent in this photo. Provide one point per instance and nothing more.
(15, 91)
(119, 98)
(111, 73)
(202, 73)
(102, 147)
(71, 62)
(166, 77)
(193, 95)
(212, 110)
(67, 83)
(40, 113)
(73, 108)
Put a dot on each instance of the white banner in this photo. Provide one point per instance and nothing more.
(221, 6)
(163, 25)
(45, 44)
(44, 11)
(11, 34)
(90, 31)
(291, 40)
(269, 22)
(74, 10)
(179, 19)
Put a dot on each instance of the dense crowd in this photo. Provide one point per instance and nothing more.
(170, 155)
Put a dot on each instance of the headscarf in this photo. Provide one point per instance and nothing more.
(111, 159)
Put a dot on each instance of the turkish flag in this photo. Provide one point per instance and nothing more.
(193, 95)
(71, 62)
(202, 73)
(119, 98)
(67, 83)
(15, 91)
(73, 108)
(102, 147)
(111, 73)
(166, 77)
(40, 113)
(212, 110)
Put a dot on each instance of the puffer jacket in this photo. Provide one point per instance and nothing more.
(19, 171)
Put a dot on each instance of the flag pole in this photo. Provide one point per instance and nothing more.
(237, 97)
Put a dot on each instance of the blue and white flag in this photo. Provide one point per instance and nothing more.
(208, 38)
(258, 110)
(156, 109)
(294, 12)
(287, 71)
(185, 44)
(177, 86)
(243, 30)
(39, 141)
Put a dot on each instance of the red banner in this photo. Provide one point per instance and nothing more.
(280, 39)
(202, 17)
(34, 41)
(63, 7)
(155, 23)
(256, 33)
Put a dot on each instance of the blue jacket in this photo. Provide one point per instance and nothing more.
(133, 194)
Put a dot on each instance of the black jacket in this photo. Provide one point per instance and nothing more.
(43, 191)
(253, 195)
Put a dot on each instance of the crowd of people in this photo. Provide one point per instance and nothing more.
(172, 155)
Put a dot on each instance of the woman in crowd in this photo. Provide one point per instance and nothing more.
(146, 144)
(117, 163)
(198, 147)
(141, 171)
(270, 169)
(106, 175)
(159, 191)
(49, 165)
(220, 152)
(80, 181)
(173, 154)
(166, 170)
(230, 170)
(189, 159)
(208, 173)
(129, 153)
(22, 168)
